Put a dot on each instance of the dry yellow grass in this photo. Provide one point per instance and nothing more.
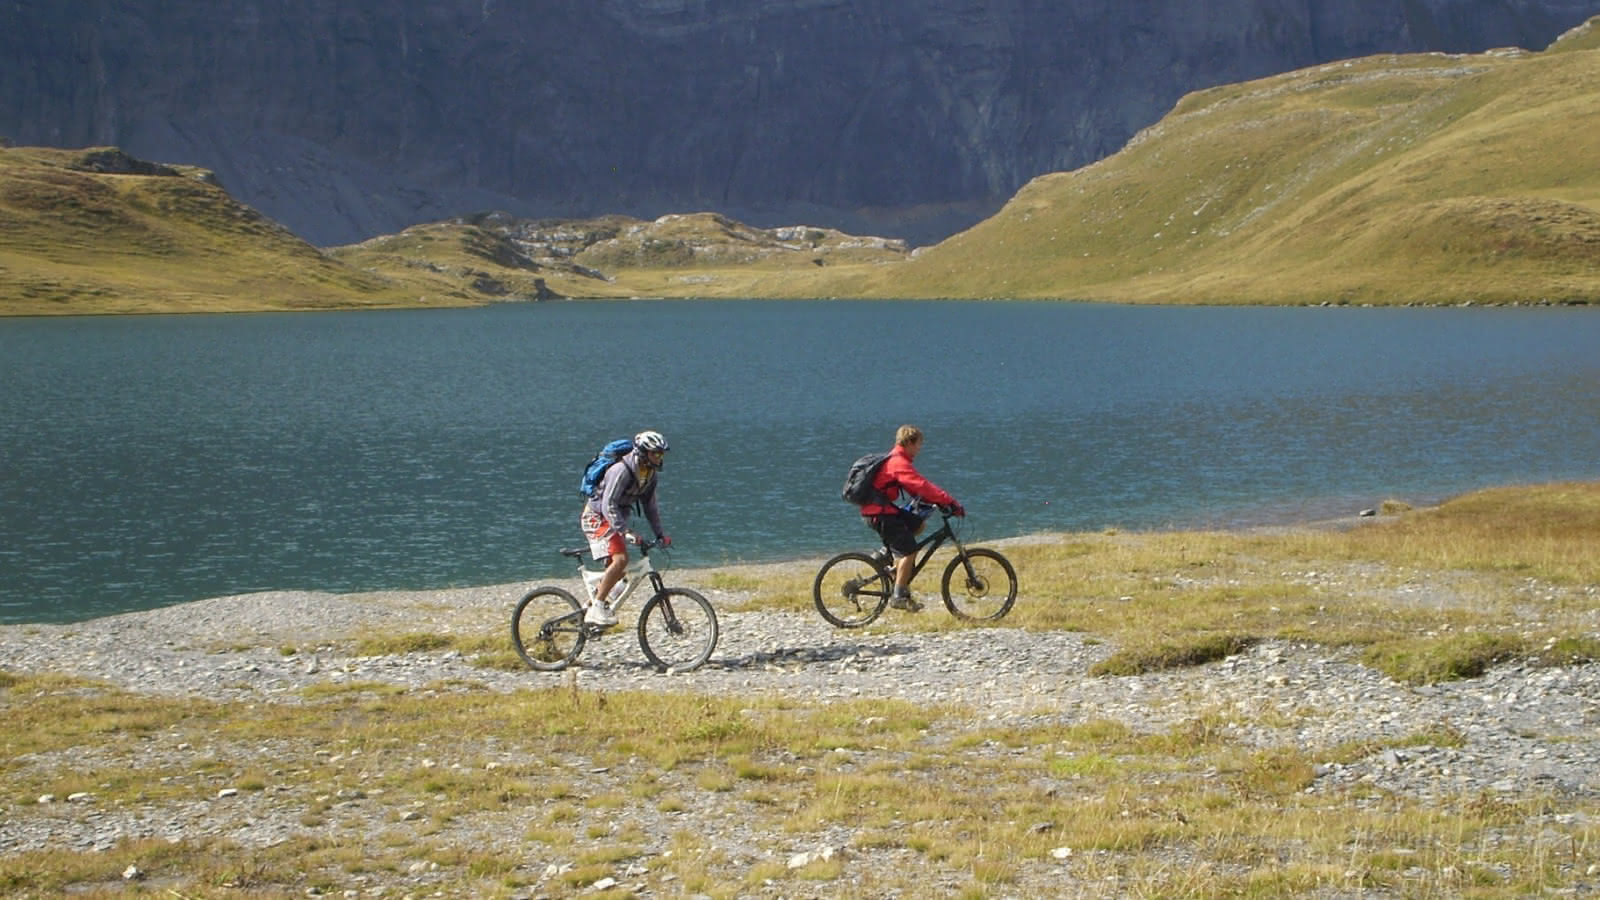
(1428, 179)
(1167, 599)
(1386, 180)
(940, 786)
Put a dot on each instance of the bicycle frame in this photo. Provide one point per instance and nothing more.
(640, 566)
(854, 587)
(930, 545)
(677, 627)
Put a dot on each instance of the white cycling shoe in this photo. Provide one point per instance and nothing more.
(599, 614)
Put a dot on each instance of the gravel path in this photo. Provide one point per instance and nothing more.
(1523, 725)
(1524, 729)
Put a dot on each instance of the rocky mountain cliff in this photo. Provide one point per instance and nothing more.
(344, 119)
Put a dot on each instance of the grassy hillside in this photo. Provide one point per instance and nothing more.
(462, 261)
(96, 231)
(1393, 179)
(699, 254)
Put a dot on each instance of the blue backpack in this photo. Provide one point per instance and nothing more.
(596, 468)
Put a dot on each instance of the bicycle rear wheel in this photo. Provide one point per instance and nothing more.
(677, 630)
(980, 586)
(547, 627)
(851, 590)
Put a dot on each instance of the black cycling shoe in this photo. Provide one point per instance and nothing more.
(907, 603)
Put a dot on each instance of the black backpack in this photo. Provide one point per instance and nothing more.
(858, 487)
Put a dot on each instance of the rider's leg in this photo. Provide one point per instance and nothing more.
(613, 574)
(904, 566)
(899, 535)
(604, 543)
(902, 575)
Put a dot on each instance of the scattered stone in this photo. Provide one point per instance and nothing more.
(1516, 729)
(801, 860)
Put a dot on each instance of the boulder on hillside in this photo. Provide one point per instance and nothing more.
(113, 161)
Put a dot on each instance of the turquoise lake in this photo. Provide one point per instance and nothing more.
(146, 461)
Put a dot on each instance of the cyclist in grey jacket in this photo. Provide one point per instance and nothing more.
(631, 479)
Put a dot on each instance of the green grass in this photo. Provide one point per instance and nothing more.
(1423, 179)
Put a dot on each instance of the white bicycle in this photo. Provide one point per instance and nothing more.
(677, 626)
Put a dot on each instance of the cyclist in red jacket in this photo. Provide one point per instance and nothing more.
(897, 525)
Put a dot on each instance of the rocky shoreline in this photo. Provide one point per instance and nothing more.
(1522, 730)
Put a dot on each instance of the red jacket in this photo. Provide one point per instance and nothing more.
(898, 474)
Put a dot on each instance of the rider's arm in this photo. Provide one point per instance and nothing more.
(653, 512)
(912, 482)
(613, 498)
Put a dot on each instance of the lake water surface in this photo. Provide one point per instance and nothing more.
(151, 460)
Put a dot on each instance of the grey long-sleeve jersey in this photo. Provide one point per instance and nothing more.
(621, 488)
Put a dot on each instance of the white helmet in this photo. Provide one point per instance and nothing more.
(650, 441)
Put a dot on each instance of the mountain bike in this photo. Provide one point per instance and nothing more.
(677, 626)
(979, 584)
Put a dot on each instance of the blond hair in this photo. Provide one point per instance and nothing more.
(907, 435)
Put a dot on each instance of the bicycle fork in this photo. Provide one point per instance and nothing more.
(674, 627)
(975, 584)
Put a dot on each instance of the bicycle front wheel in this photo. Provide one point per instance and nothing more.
(677, 630)
(547, 627)
(979, 586)
(851, 590)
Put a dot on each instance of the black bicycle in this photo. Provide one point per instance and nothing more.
(677, 627)
(979, 584)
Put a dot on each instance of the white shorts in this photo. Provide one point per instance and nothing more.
(604, 541)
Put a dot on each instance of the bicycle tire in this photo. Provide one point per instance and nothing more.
(677, 630)
(851, 590)
(552, 621)
(978, 600)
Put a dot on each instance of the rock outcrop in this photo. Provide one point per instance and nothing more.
(909, 118)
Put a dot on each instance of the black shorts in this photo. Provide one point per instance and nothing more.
(898, 530)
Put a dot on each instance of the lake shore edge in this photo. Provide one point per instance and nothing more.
(1521, 734)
